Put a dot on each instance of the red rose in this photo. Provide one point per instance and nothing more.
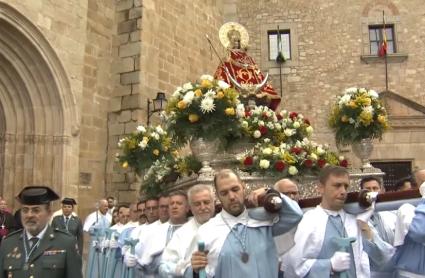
(248, 161)
(248, 114)
(265, 115)
(306, 121)
(279, 165)
(308, 163)
(279, 117)
(293, 115)
(263, 130)
(343, 163)
(321, 163)
(296, 150)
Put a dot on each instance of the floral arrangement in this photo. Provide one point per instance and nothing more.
(166, 170)
(263, 123)
(289, 159)
(358, 114)
(142, 148)
(206, 109)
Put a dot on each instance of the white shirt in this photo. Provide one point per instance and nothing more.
(103, 220)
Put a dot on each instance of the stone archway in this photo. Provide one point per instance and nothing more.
(38, 116)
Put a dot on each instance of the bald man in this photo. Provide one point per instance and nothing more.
(100, 217)
(288, 188)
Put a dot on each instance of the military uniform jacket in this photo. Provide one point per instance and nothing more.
(74, 227)
(57, 255)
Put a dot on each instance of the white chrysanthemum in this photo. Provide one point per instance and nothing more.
(289, 132)
(257, 134)
(240, 110)
(155, 135)
(121, 141)
(207, 105)
(344, 100)
(264, 164)
(362, 91)
(313, 157)
(296, 124)
(177, 92)
(320, 150)
(159, 130)
(270, 125)
(373, 94)
(223, 85)
(368, 109)
(210, 94)
(283, 146)
(309, 130)
(244, 124)
(255, 119)
(207, 77)
(267, 151)
(266, 140)
(351, 90)
(341, 158)
(187, 86)
(141, 128)
(292, 170)
(306, 141)
(277, 126)
(298, 144)
(143, 144)
(283, 113)
(188, 97)
(260, 123)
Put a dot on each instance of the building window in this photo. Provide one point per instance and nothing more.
(274, 45)
(394, 171)
(376, 38)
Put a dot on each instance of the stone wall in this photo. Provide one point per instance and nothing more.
(328, 39)
(159, 46)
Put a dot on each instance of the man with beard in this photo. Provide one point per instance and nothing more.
(39, 250)
(236, 244)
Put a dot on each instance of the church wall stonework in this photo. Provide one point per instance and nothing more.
(331, 38)
(159, 45)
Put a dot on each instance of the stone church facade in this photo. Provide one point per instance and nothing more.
(75, 76)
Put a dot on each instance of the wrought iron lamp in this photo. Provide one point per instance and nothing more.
(158, 103)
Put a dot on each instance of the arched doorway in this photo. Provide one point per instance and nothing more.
(38, 117)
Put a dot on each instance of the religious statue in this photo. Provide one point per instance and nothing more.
(240, 70)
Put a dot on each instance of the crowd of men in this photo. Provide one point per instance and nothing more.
(182, 234)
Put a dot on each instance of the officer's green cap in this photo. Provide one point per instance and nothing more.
(69, 201)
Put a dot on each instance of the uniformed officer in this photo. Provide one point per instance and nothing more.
(69, 222)
(38, 250)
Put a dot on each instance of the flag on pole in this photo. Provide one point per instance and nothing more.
(382, 51)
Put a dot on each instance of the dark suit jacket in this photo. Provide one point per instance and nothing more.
(56, 256)
(8, 221)
(75, 227)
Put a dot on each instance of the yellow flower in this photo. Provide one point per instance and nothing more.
(366, 117)
(230, 111)
(193, 118)
(146, 139)
(175, 153)
(344, 119)
(382, 119)
(206, 83)
(155, 152)
(352, 104)
(220, 95)
(125, 164)
(181, 104)
(288, 158)
(198, 93)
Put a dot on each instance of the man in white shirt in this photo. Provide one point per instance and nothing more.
(155, 239)
(329, 241)
(176, 256)
(100, 218)
(123, 216)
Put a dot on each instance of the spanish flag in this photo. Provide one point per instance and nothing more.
(382, 51)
